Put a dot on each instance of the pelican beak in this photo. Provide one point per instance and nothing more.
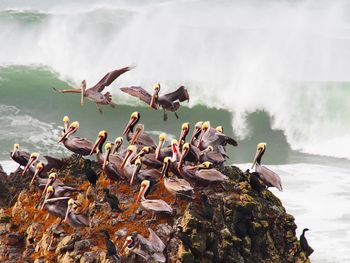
(182, 158)
(67, 213)
(175, 150)
(14, 150)
(136, 170)
(35, 175)
(160, 145)
(116, 147)
(97, 144)
(257, 156)
(164, 170)
(106, 159)
(154, 96)
(195, 134)
(124, 246)
(30, 162)
(44, 203)
(183, 135)
(68, 132)
(49, 181)
(127, 155)
(141, 193)
(135, 136)
(128, 126)
(83, 87)
(201, 137)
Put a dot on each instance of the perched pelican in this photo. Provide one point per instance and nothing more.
(196, 132)
(204, 173)
(150, 249)
(210, 155)
(142, 138)
(45, 182)
(53, 181)
(32, 159)
(56, 206)
(130, 154)
(73, 218)
(210, 136)
(154, 206)
(304, 244)
(189, 153)
(111, 248)
(118, 142)
(269, 177)
(169, 102)
(161, 153)
(176, 186)
(58, 191)
(95, 93)
(148, 158)
(50, 163)
(111, 167)
(185, 128)
(20, 157)
(77, 145)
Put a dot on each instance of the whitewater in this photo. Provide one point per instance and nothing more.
(274, 71)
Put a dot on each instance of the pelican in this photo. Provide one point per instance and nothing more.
(185, 127)
(45, 182)
(210, 155)
(169, 102)
(210, 136)
(176, 186)
(20, 157)
(55, 206)
(148, 158)
(270, 178)
(95, 93)
(189, 153)
(161, 153)
(73, 218)
(142, 138)
(118, 142)
(77, 145)
(32, 159)
(155, 206)
(204, 173)
(150, 249)
(58, 191)
(111, 167)
(130, 154)
(196, 132)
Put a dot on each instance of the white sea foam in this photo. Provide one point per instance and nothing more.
(279, 56)
(318, 197)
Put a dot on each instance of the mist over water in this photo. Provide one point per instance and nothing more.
(287, 58)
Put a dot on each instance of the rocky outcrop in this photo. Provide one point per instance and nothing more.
(229, 222)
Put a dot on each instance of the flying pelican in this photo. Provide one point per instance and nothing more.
(20, 157)
(269, 177)
(154, 206)
(77, 145)
(142, 138)
(169, 102)
(150, 249)
(176, 186)
(95, 93)
(73, 218)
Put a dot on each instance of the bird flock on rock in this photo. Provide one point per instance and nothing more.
(143, 163)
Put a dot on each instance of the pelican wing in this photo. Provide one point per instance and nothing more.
(109, 78)
(179, 185)
(180, 94)
(211, 175)
(81, 143)
(157, 205)
(53, 162)
(269, 177)
(156, 242)
(138, 92)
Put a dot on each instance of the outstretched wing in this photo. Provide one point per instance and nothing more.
(180, 94)
(109, 78)
(138, 92)
(224, 139)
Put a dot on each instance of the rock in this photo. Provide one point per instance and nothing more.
(164, 231)
(14, 240)
(67, 243)
(121, 233)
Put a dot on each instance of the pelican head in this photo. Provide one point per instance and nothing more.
(156, 90)
(205, 165)
(70, 203)
(205, 128)
(145, 184)
(260, 150)
(101, 138)
(33, 157)
(134, 118)
(117, 143)
(52, 178)
(73, 127)
(15, 149)
(129, 243)
(219, 129)
(162, 138)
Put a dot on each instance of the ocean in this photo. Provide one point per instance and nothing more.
(275, 72)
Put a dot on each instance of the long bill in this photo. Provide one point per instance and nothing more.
(194, 134)
(153, 98)
(97, 143)
(128, 126)
(135, 136)
(164, 170)
(135, 171)
(126, 158)
(106, 159)
(257, 156)
(30, 162)
(141, 194)
(49, 181)
(68, 132)
(67, 213)
(159, 147)
(34, 176)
